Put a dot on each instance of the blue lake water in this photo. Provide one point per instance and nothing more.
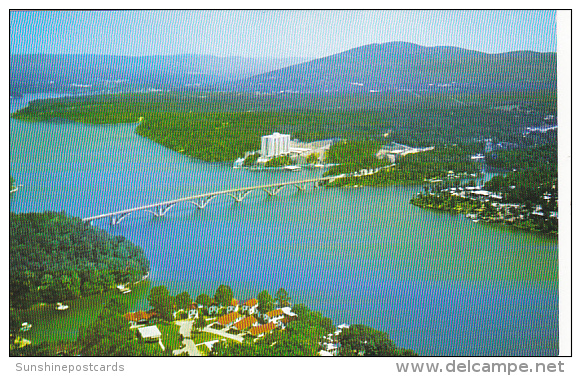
(438, 283)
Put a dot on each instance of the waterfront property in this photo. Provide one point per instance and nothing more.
(140, 317)
(273, 316)
(233, 307)
(193, 311)
(228, 319)
(261, 330)
(274, 145)
(245, 323)
(250, 306)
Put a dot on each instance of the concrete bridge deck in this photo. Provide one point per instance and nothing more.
(161, 208)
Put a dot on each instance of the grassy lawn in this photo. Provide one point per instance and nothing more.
(203, 349)
(204, 337)
(170, 335)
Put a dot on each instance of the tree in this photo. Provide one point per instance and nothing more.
(163, 303)
(54, 257)
(204, 300)
(251, 159)
(15, 322)
(183, 300)
(282, 297)
(265, 302)
(223, 295)
(313, 158)
(200, 322)
(366, 341)
(110, 335)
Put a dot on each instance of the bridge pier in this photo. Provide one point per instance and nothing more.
(301, 186)
(202, 202)
(239, 196)
(160, 210)
(115, 219)
(274, 190)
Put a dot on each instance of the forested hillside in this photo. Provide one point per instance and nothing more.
(223, 126)
(54, 257)
(532, 178)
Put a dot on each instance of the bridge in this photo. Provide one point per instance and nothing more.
(202, 200)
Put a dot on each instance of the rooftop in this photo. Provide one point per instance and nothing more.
(149, 332)
(251, 302)
(245, 323)
(262, 329)
(274, 313)
(139, 316)
(228, 318)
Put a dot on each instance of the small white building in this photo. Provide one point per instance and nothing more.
(273, 316)
(250, 306)
(233, 307)
(213, 309)
(193, 311)
(150, 333)
(274, 145)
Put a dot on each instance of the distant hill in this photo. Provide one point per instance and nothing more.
(407, 66)
(102, 73)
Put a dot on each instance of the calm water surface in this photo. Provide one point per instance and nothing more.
(438, 283)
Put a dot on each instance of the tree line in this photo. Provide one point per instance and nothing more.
(223, 126)
(54, 257)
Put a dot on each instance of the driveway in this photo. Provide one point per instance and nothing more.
(185, 327)
(186, 332)
(190, 348)
(222, 333)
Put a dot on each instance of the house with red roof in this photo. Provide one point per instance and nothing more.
(273, 316)
(259, 331)
(250, 306)
(282, 323)
(228, 319)
(245, 323)
(140, 317)
(193, 310)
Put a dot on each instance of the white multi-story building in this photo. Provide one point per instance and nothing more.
(274, 145)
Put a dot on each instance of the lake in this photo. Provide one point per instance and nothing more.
(437, 283)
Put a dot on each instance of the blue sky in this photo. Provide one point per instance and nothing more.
(277, 34)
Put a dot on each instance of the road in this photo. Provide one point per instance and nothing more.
(223, 334)
(186, 332)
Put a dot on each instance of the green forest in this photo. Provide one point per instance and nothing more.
(223, 126)
(527, 180)
(411, 168)
(54, 257)
(532, 173)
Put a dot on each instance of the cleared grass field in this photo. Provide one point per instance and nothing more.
(204, 337)
(170, 335)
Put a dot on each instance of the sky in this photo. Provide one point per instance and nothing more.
(274, 34)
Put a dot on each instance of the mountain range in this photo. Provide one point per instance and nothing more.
(89, 73)
(408, 66)
(394, 66)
